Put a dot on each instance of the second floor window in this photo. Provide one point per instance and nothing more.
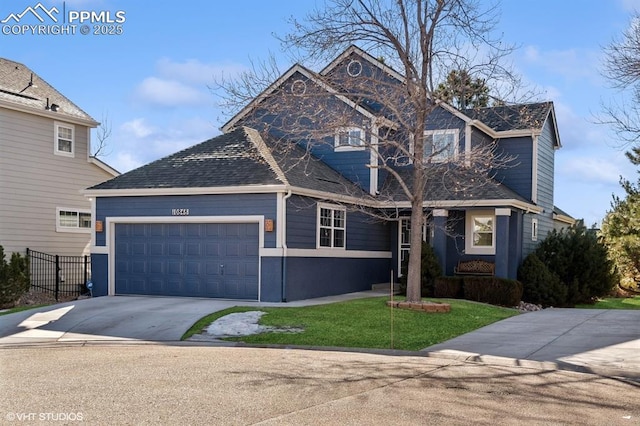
(440, 145)
(349, 138)
(64, 139)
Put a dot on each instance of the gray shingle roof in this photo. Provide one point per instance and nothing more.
(512, 117)
(231, 159)
(447, 182)
(238, 158)
(21, 86)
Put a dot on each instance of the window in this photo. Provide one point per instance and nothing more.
(404, 246)
(480, 232)
(64, 139)
(440, 145)
(331, 226)
(349, 139)
(534, 229)
(71, 220)
(354, 68)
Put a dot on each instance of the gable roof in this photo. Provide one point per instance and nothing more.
(22, 89)
(519, 117)
(353, 49)
(229, 125)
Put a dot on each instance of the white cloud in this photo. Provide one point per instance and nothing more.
(125, 161)
(138, 142)
(631, 5)
(195, 72)
(169, 93)
(180, 84)
(572, 64)
(138, 128)
(594, 169)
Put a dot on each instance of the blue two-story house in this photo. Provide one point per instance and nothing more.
(271, 211)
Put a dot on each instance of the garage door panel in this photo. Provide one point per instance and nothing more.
(174, 249)
(185, 259)
(174, 267)
(193, 249)
(156, 248)
(192, 268)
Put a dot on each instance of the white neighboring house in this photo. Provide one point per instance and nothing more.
(45, 163)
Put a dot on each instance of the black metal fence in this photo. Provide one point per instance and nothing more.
(60, 275)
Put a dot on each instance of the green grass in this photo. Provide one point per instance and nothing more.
(365, 323)
(614, 303)
(20, 308)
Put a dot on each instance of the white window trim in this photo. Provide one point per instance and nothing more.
(77, 229)
(56, 146)
(534, 229)
(427, 227)
(469, 247)
(340, 148)
(456, 143)
(332, 207)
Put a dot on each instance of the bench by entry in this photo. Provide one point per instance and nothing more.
(475, 267)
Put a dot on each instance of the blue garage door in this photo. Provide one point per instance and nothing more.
(187, 259)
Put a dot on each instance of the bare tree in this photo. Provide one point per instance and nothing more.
(103, 132)
(622, 68)
(424, 40)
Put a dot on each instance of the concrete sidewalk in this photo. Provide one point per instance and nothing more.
(591, 340)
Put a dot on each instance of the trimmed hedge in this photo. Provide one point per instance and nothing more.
(448, 287)
(541, 286)
(577, 269)
(492, 290)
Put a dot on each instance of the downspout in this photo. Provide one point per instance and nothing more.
(284, 245)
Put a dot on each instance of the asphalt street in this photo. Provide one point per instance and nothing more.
(182, 384)
(118, 360)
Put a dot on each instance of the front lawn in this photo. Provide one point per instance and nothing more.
(614, 303)
(366, 323)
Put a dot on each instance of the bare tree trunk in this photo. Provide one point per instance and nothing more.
(414, 270)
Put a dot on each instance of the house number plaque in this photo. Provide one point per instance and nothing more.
(179, 212)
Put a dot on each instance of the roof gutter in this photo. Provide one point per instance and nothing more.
(49, 114)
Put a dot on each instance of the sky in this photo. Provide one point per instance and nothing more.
(151, 78)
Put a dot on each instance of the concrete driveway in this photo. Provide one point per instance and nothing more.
(122, 318)
(606, 342)
(109, 319)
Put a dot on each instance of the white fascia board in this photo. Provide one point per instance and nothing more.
(310, 75)
(565, 219)
(49, 114)
(454, 111)
(104, 166)
(338, 198)
(552, 113)
(355, 49)
(456, 204)
(147, 192)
